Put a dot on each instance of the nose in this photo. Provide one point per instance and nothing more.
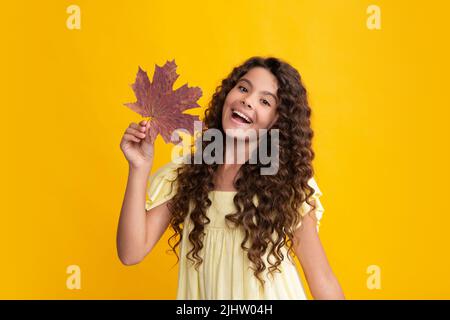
(246, 104)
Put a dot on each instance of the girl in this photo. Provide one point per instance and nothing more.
(237, 229)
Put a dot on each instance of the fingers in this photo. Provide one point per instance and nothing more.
(142, 126)
(130, 137)
(135, 132)
(145, 123)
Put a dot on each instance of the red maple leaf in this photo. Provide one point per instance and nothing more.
(164, 106)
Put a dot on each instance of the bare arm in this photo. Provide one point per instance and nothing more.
(309, 250)
(138, 230)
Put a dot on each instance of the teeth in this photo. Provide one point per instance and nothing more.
(242, 115)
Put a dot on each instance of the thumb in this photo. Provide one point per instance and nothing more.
(148, 133)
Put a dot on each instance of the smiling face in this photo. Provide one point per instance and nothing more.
(252, 103)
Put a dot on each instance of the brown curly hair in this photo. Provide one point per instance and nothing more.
(280, 196)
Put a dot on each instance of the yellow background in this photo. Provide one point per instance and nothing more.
(380, 115)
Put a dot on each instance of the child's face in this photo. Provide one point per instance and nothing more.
(254, 96)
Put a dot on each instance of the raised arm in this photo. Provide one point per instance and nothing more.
(138, 230)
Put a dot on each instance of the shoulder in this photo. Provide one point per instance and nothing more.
(312, 183)
(315, 198)
(168, 170)
(161, 184)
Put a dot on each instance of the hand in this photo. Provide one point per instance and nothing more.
(137, 146)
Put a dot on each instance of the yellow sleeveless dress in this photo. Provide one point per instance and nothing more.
(225, 272)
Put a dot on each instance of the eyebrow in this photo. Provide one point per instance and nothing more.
(264, 92)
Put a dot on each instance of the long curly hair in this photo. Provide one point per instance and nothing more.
(280, 196)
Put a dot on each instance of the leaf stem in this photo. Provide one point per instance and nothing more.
(147, 119)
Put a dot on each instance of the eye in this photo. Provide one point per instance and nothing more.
(241, 87)
(264, 101)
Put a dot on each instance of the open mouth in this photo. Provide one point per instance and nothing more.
(240, 117)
